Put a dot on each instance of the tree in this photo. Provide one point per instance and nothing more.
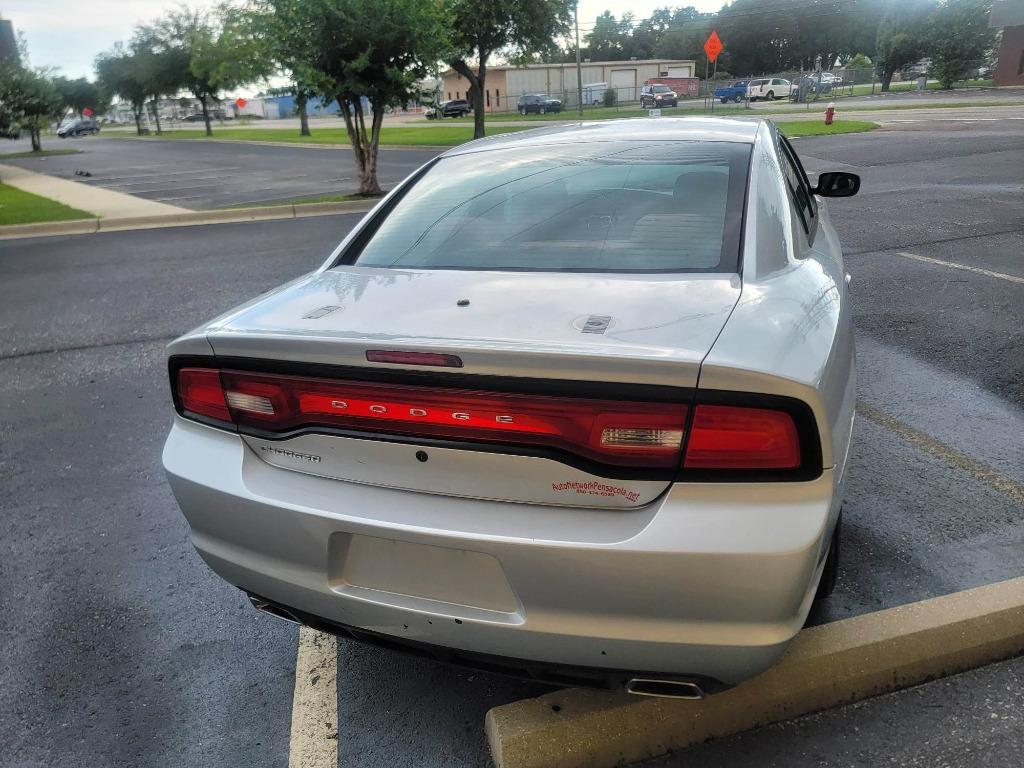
(29, 100)
(212, 53)
(902, 36)
(367, 54)
(161, 68)
(119, 73)
(959, 39)
(481, 28)
(79, 94)
(609, 38)
(283, 53)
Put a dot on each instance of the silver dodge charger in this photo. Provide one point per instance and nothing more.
(572, 404)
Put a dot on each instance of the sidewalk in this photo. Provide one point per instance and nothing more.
(104, 203)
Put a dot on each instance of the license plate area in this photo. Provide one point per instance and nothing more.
(423, 577)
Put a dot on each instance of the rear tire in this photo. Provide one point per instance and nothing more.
(541, 110)
(522, 111)
(830, 573)
(737, 98)
(726, 101)
(770, 96)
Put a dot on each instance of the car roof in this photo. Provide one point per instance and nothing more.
(636, 129)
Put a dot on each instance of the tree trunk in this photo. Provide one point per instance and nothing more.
(138, 121)
(206, 116)
(156, 114)
(887, 74)
(476, 85)
(363, 147)
(37, 144)
(300, 103)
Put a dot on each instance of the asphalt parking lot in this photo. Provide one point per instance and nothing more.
(122, 649)
(204, 175)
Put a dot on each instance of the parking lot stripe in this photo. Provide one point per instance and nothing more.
(946, 453)
(825, 666)
(314, 736)
(965, 267)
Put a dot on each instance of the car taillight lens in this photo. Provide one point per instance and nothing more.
(199, 392)
(608, 431)
(733, 437)
(638, 435)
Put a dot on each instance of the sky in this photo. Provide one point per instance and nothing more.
(67, 34)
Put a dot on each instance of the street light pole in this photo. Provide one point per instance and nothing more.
(579, 67)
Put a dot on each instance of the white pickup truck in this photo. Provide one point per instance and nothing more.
(769, 88)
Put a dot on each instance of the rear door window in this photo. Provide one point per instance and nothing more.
(594, 207)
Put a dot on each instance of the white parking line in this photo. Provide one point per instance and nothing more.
(965, 267)
(314, 738)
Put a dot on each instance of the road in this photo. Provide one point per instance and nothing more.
(204, 175)
(121, 648)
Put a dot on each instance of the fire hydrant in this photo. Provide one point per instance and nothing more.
(830, 112)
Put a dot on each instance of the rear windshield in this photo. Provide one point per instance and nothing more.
(591, 207)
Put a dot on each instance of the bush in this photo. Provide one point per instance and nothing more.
(610, 97)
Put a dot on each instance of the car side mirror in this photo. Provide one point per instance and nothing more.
(837, 184)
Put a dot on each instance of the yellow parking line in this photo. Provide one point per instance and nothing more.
(940, 450)
(314, 738)
(965, 267)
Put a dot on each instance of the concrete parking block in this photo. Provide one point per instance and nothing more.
(826, 666)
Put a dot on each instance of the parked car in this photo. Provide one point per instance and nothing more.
(658, 95)
(81, 126)
(683, 87)
(522, 420)
(769, 89)
(452, 108)
(537, 103)
(195, 117)
(831, 78)
(736, 92)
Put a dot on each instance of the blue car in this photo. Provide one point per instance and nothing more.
(736, 92)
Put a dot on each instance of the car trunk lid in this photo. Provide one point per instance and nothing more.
(616, 337)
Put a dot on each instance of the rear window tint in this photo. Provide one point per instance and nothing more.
(589, 207)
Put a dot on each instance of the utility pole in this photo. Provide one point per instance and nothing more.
(579, 67)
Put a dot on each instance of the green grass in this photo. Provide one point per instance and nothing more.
(797, 128)
(17, 207)
(417, 136)
(44, 153)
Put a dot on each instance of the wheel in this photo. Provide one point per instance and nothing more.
(830, 573)
(726, 101)
(770, 96)
(541, 110)
(737, 98)
(522, 110)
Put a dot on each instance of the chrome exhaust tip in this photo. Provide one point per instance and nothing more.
(666, 689)
(264, 606)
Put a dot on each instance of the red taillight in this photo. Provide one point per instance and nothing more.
(608, 431)
(733, 437)
(613, 432)
(199, 392)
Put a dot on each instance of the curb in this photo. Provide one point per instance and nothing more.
(828, 665)
(229, 216)
(299, 144)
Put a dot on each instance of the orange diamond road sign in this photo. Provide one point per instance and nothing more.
(713, 46)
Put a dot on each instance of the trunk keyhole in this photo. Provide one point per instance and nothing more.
(421, 455)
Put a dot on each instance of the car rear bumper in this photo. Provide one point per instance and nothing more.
(710, 580)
